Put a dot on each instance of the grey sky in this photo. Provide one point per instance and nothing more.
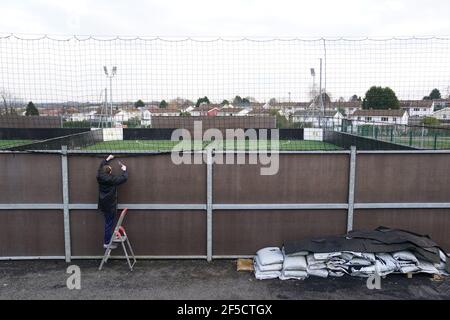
(227, 18)
(48, 70)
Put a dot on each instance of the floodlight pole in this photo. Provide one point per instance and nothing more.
(320, 91)
(106, 107)
(110, 76)
(110, 99)
(313, 74)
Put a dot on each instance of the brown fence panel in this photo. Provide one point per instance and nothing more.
(160, 233)
(30, 178)
(13, 121)
(243, 232)
(402, 178)
(152, 179)
(433, 222)
(31, 233)
(302, 178)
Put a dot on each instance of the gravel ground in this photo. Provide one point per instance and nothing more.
(188, 279)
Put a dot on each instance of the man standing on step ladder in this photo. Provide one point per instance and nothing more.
(107, 195)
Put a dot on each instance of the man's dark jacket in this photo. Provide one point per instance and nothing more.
(107, 188)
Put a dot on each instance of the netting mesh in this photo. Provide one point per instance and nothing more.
(110, 94)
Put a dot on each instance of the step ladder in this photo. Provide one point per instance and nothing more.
(119, 236)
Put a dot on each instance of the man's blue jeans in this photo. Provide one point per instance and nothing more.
(109, 226)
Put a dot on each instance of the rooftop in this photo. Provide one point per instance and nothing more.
(379, 113)
(416, 103)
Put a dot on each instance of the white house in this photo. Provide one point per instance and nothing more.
(79, 116)
(443, 114)
(439, 104)
(317, 118)
(380, 117)
(262, 112)
(205, 110)
(288, 108)
(125, 115)
(146, 117)
(226, 111)
(189, 109)
(418, 108)
(164, 112)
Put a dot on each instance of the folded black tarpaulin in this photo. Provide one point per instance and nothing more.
(380, 240)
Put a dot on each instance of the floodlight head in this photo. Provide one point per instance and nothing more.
(313, 73)
(105, 69)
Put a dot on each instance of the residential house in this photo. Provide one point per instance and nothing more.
(380, 117)
(262, 112)
(439, 104)
(81, 116)
(146, 117)
(205, 110)
(347, 108)
(317, 118)
(288, 108)
(127, 115)
(442, 114)
(164, 112)
(226, 111)
(418, 108)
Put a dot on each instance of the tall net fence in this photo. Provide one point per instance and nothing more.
(132, 94)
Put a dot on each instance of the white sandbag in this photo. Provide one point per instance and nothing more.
(363, 255)
(295, 263)
(336, 268)
(264, 275)
(268, 267)
(347, 256)
(442, 255)
(315, 264)
(293, 274)
(427, 267)
(270, 255)
(326, 255)
(336, 261)
(408, 268)
(355, 261)
(260, 275)
(322, 273)
(442, 265)
(359, 273)
(405, 256)
(318, 266)
(362, 271)
(385, 264)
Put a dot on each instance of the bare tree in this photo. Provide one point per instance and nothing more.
(8, 101)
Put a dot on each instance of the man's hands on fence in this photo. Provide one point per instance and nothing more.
(122, 166)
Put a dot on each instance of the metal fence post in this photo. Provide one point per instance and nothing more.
(351, 188)
(65, 185)
(209, 199)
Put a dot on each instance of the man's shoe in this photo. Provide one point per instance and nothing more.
(112, 246)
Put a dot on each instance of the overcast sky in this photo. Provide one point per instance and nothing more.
(47, 70)
(228, 18)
